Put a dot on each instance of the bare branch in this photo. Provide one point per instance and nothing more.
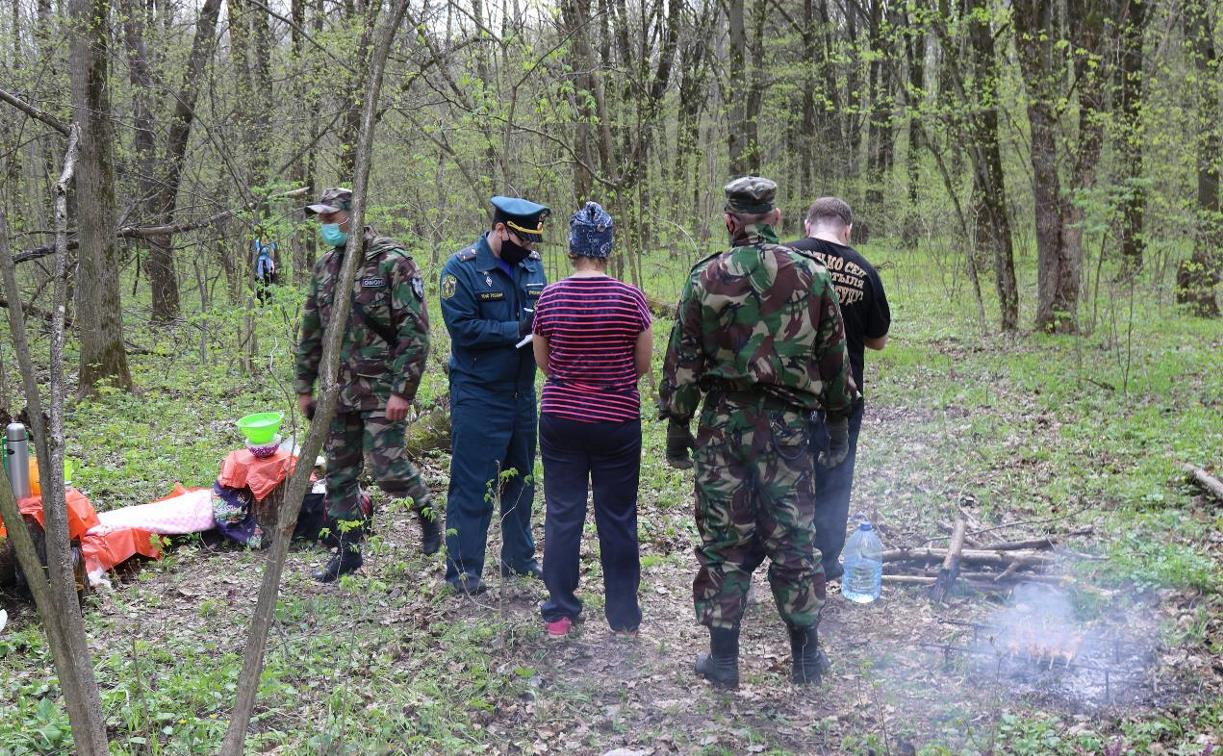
(144, 232)
(35, 113)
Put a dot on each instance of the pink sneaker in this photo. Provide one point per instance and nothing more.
(558, 628)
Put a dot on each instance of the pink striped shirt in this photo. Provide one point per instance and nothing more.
(591, 325)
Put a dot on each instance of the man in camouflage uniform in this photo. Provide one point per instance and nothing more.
(381, 361)
(759, 331)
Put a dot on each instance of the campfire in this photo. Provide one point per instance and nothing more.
(1036, 645)
(1041, 644)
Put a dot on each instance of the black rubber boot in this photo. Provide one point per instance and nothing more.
(347, 557)
(808, 662)
(721, 665)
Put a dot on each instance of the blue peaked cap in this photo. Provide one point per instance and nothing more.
(590, 232)
(524, 217)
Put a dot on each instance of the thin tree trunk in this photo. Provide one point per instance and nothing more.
(261, 620)
(1086, 24)
(915, 50)
(302, 171)
(56, 598)
(352, 114)
(103, 354)
(879, 124)
(1133, 29)
(1197, 277)
(163, 277)
(736, 74)
(1037, 30)
(992, 228)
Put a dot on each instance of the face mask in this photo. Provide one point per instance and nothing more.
(512, 252)
(332, 235)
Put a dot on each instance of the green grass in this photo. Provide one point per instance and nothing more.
(1058, 430)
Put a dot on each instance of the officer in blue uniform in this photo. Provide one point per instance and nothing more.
(488, 295)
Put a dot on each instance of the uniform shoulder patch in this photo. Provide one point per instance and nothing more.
(418, 287)
(449, 284)
(466, 255)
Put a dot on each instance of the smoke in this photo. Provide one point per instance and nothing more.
(1038, 624)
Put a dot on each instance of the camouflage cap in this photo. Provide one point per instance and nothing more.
(750, 195)
(332, 201)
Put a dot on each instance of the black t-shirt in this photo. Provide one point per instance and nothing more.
(864, 306)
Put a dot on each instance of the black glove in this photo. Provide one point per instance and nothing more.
(526, 325)
(679, 441)
(838, 441)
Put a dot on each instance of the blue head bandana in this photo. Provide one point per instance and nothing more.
(590, 232)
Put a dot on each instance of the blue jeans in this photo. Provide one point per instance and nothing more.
(607, 456)
(832, 489)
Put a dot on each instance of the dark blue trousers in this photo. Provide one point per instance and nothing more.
(607, 456)
(832, 489)
(491, 434)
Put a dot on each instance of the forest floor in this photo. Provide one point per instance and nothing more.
(1028, 435)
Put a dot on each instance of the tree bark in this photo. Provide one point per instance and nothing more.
(1197, 277)
(992, 227)
(1038, 29)
(880, 133)
(1133, 21)
(736, 75)
(261, 620)
(103, 355)
(301, 172)
(915, 50)
(56, 598)
(1086, 26)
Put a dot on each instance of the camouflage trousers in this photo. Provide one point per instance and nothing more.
(350, 437)
(755, 498)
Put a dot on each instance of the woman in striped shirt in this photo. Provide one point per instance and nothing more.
(592, 342)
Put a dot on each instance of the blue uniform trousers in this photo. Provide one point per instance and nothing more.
(491, 434)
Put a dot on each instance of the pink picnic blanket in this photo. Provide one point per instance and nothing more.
(187, 512)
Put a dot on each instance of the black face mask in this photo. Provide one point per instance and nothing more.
(512, 252)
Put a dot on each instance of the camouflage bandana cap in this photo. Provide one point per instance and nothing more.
(332, 201)
(590, 232)
(750, 195)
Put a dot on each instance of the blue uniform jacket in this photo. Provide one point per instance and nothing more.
(482, 306)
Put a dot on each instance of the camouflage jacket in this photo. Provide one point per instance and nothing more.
(760, 318)
(390, 291)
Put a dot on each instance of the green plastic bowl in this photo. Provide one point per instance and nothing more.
(261, 427)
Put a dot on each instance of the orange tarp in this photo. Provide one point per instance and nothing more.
(81, 514)
(241, 469)
(104, 549)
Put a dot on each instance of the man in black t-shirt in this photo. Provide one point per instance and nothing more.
(864, 307)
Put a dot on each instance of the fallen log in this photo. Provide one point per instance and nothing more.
(998, 578)
(971, 556)
(921, 580)
(1205, 480)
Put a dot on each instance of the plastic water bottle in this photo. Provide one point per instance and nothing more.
(863, 566)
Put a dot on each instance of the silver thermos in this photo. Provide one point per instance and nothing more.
(18, 459)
